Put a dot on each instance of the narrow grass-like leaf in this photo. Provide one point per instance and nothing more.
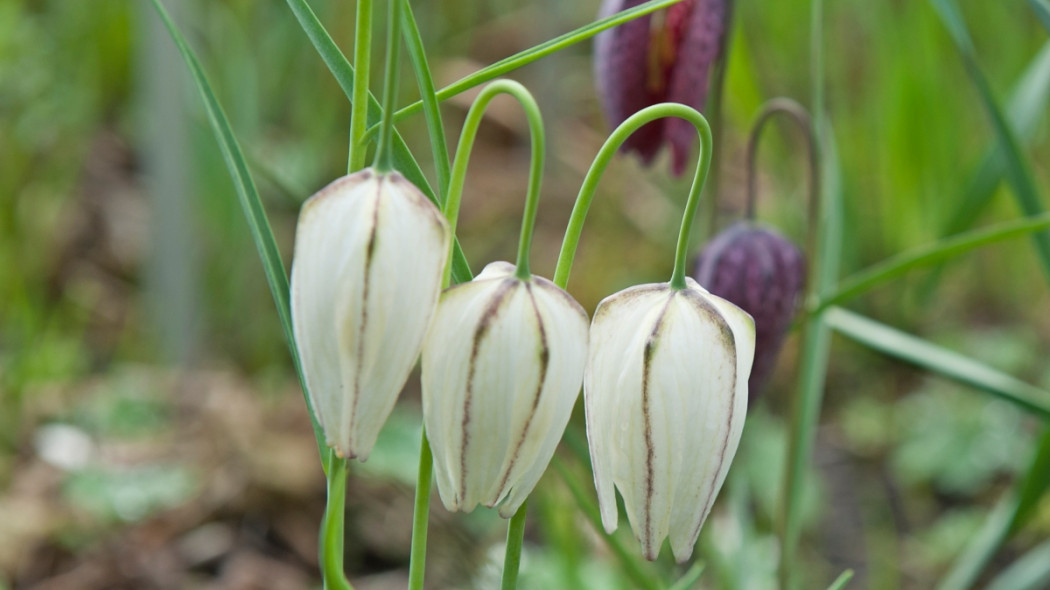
(1035, 483)
(1042, 10)
(343, 72)
(930, 255)
(1009, 512)
(258, 224)
(1018, 171)
(841, 581)
(431, 107)
(1030, 572)
(937, 359)
(690, 578)
(1025, 110)
(536, 52)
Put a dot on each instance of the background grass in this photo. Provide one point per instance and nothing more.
(93, 271)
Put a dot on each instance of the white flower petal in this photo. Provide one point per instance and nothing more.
(665, 393)
(369, 256)
(612, 386)
(502, 366)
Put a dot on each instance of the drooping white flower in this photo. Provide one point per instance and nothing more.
(370, 251)
(502, 367)
(665, 395)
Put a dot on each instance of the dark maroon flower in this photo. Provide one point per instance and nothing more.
(763, 273)
(662, 57)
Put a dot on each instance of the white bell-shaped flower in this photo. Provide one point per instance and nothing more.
(370, 251)
(502, 368)
(665, 396)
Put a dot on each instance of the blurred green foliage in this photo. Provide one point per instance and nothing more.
(910, 132)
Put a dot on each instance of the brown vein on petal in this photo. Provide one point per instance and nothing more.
(484, 323)
(545, 357)
(369, 259)
(647, 363)
(729, 340)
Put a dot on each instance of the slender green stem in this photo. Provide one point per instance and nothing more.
(384, 161)
(359, 98)
(466, 144)
(431, 106)
(332, 526)
(512, 557)
(816, 336)
(421, 515)
(601, 162)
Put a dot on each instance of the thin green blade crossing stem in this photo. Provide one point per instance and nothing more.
(343, 72)
(939, 360)
(1018, 171)
(248, 195)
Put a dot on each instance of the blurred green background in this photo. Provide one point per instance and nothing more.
(152, 434)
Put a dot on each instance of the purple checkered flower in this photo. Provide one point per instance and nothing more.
(762, 272)
(662, 57)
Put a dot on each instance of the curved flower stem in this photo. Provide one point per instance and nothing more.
(466, 144)
(384, 161)
(512, 557)
(602, 160)
(359, 100)
(420, 515)
(798, 114)
(332, 526)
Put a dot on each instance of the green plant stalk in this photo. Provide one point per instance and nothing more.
(601, 162)
(631, 568)
(466, 145)
(512, 556)
(936, 359)
(930, 255)
(384, 161)
(431, 106)
(421, 515)
(816, 336)
(343, 73)
(332, 526)
(251, 205)
(359, 98)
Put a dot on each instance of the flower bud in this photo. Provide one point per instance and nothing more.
(502, 367)
(665, 393)
(370, 251)
(662, 57)
(762, 272)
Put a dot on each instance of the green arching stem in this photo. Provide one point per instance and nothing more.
(359, 98)
(420, 515)
(512, 556)
(431, 105)
(332, 526)
(384, 161)
(466, 144)
(602, 160)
